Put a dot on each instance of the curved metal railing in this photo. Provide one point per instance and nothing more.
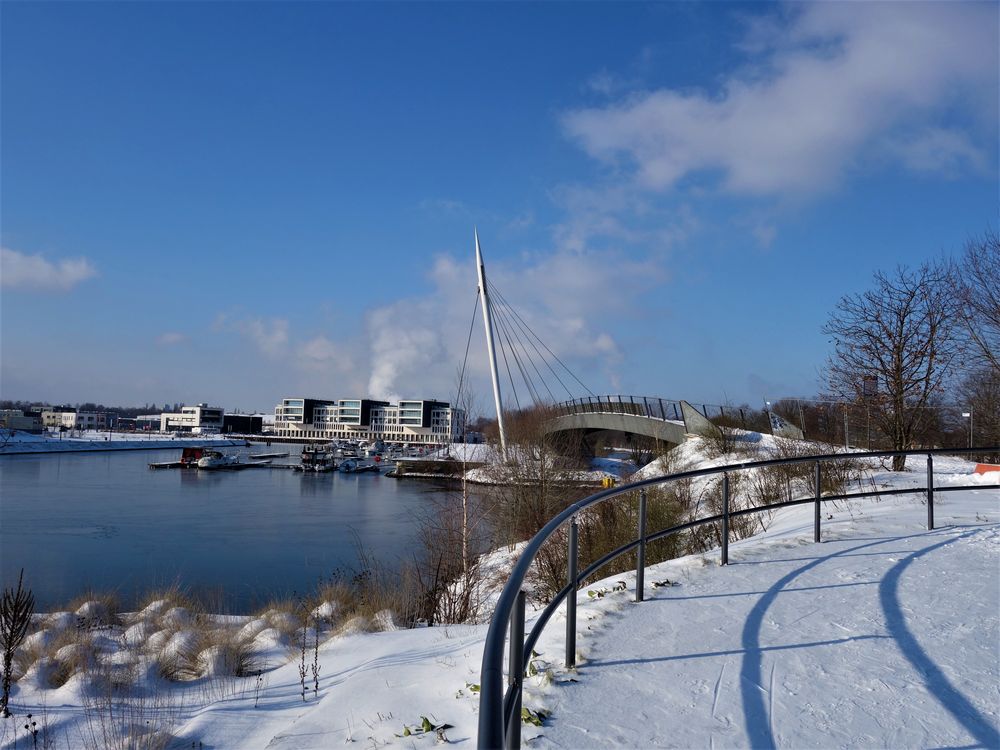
(654, 407)
(499, 711)
(641, 406)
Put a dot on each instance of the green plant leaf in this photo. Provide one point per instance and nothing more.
(535, 718)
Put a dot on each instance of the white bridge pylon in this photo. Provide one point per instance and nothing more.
(491, 350)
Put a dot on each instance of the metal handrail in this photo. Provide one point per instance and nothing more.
(643, 406)
(499, 712)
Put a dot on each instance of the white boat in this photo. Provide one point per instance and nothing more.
(358, 465)
(213, 459)
(347, 449)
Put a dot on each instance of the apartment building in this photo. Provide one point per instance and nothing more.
(200, 418)
(75, 420)
(423, 422)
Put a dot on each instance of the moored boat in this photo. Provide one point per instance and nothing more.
(317, 458)
(213, 459)
(358, 465)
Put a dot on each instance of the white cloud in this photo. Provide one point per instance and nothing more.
(765, 234)
(616, 215)
(170, 338)
(269, 335)
(444, 207)
(320, 349)
(831, 80)
(940, 150)
(20, 271)
(324, 356)
(605, 83)
(524, 220)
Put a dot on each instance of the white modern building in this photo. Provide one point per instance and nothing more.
(200, 418)
(424, 422)
(75, 420)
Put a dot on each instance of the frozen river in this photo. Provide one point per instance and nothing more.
(106, 521)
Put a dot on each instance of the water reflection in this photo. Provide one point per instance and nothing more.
(20, 466)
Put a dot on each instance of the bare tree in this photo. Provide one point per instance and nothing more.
(454, 531)
(900, 335)
(979, 290)
(534, 482)
(980, 391)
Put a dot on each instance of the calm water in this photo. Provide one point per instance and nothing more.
(106, 521)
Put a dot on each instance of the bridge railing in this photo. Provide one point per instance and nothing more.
(642, 406)
(500, 711)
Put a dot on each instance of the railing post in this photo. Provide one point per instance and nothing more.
(571, 599)
(725, 518)
(515, 672)
(640, 562)
(819, 495)
(930, 492)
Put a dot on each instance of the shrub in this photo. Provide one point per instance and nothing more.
(16, 607)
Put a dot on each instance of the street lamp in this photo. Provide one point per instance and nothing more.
(968, 415)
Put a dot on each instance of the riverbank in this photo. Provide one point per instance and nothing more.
(14, 442)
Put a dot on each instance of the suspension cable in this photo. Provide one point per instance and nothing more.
(511, 326)
(493, 290)
(465, 361)
(510, 377)
(505, 334)
(521, 326)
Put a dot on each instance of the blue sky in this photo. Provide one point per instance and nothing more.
(236, 202)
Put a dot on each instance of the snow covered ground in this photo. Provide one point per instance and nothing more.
(89, 440)
(883, 635)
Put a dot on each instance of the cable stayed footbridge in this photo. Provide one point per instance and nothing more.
(528, 361)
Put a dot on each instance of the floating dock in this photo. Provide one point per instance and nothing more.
(173, 465)
(238, 467)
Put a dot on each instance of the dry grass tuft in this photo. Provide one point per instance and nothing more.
(96, 610)
(158, 602)
(234, 655)
(178, 661)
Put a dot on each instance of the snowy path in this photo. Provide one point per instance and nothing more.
(882, 636)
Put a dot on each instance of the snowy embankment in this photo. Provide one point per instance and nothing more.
(883, 635)
(24, 442)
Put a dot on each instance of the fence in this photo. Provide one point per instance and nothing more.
(837, 423)
(499, 711)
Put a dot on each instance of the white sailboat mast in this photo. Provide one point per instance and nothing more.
(488, 321)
